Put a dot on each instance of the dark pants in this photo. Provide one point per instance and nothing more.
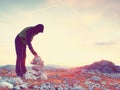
(21, 56)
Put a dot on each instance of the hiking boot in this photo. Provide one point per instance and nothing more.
(20, 74)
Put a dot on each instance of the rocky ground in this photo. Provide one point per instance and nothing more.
(60, 79)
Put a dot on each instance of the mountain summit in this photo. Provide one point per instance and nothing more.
(103, 66)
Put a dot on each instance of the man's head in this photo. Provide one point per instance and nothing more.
(39, 28)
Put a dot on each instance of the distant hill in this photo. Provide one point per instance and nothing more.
(54, 67)
(103, 66)
(46, 67)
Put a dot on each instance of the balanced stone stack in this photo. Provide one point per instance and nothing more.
(36, 72)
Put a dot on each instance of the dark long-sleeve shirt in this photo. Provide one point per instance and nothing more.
(27, 36)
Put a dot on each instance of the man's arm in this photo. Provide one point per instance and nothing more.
(31, 49)
(28, 41)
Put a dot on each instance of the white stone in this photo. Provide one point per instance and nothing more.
(78, 88)
(35, 87)
(87, 82)
(6, 84)
(44, 87)
(37, 61)
(37, 67)
(16, 81)
(52, 88)
(90, 88)
(95, 78)
(60, 87)
(1, 79)
(25, 85)
(36, 71)
(30, 76)
(17, 87)
(103, 83)
(43, 76)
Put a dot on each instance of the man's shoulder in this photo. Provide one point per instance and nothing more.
(27, 28)
(23, 32)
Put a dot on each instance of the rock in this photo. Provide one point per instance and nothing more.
(60, 87)
(97, 85)
(36, 87)
(24, 86)
(43, 76)
(30, 75)
(15, 81)
(95, 78)
(103, 66)
(37, 67)
(36, 71)
(78, 88)
(11, 81)
(115, 75)
(1, 79)
(17, 87)
(44, 87)
(6, 84)
(87, 82)
(90, 88)
(9, 68)
(37, 61)
(52, 88)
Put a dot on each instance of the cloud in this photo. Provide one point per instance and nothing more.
(108, 9)
(105, 43)
(72, 3)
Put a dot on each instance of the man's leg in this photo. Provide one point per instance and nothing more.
(23, 68)
(18, 47)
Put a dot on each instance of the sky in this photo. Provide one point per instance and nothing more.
(76, 33)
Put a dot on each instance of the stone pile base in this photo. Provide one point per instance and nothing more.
(36, 71)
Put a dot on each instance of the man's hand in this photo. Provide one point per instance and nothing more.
(36, 55)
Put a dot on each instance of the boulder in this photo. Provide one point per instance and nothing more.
(95, 78)
(6, 84)
(103, 66)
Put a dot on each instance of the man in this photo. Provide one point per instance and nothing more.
(22, 39)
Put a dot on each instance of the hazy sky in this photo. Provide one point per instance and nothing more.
(77, 32)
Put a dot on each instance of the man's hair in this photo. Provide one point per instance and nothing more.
(39, 27)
